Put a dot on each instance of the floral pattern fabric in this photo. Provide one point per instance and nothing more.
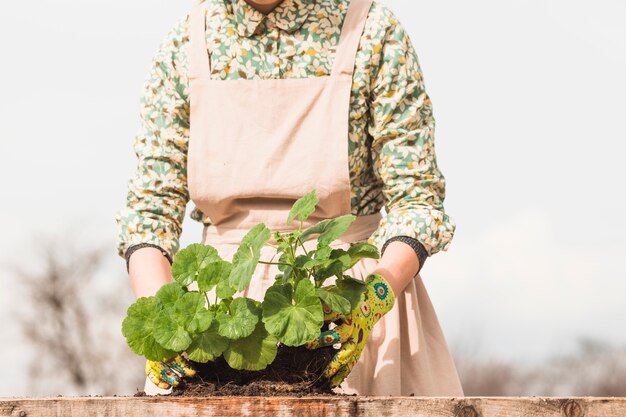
(392, 160)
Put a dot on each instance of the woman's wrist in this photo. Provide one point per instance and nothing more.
(149, 270)
(131, 249)
(418, 248)
(398, 265)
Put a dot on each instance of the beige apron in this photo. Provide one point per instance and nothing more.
(258, 145)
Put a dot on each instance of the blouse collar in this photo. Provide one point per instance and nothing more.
(288, 15)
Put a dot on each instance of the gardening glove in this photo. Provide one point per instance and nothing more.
(352, 333)
(167, 374)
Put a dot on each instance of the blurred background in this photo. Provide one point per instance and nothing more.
(529, 98)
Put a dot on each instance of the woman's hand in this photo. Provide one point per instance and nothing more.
(167, 374)
(352, 333)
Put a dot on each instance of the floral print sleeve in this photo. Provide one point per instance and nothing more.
(157, 192)
(402, 127)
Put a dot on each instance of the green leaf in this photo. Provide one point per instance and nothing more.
(224, 290)
(350, 288)
(213, 273)
(335, 267)
(338, 262)
(317, 263)
(170, 332)
(208, 345)
(193, 305)
(283, 261)
(286, 290)
(190, 260)
(286, 276)
(335, 301)
(254, 352)
(336, 228)
(342, 256)
(247, 256)
(301, 261)
(282, 244)
(303, 207)
(223, 305)
(138, 326)
(297, 322)
(329, 229)
(318, 227)
(169, 293)
(322, 252)
(241, 320)
(175, 326)
(360, 250)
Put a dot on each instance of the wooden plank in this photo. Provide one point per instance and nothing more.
(344, 406)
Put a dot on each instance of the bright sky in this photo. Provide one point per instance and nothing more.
(529, 98)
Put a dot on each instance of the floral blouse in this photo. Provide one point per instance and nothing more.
(392, 161)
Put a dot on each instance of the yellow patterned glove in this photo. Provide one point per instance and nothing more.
(167, 374)
(352, 333)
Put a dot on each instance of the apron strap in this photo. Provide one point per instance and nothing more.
(198, 51)
(351, 31)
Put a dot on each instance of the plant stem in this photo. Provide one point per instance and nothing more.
(303, 248)
(274, 263)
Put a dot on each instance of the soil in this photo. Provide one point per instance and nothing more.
(296, 371)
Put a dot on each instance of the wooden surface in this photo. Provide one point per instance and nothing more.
(347, 406)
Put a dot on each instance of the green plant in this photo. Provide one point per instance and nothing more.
(247, 331)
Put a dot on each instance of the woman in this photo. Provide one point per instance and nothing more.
(247, 107)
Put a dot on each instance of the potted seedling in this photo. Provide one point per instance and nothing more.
(240, 345)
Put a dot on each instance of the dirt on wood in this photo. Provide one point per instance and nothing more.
(296, 371)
